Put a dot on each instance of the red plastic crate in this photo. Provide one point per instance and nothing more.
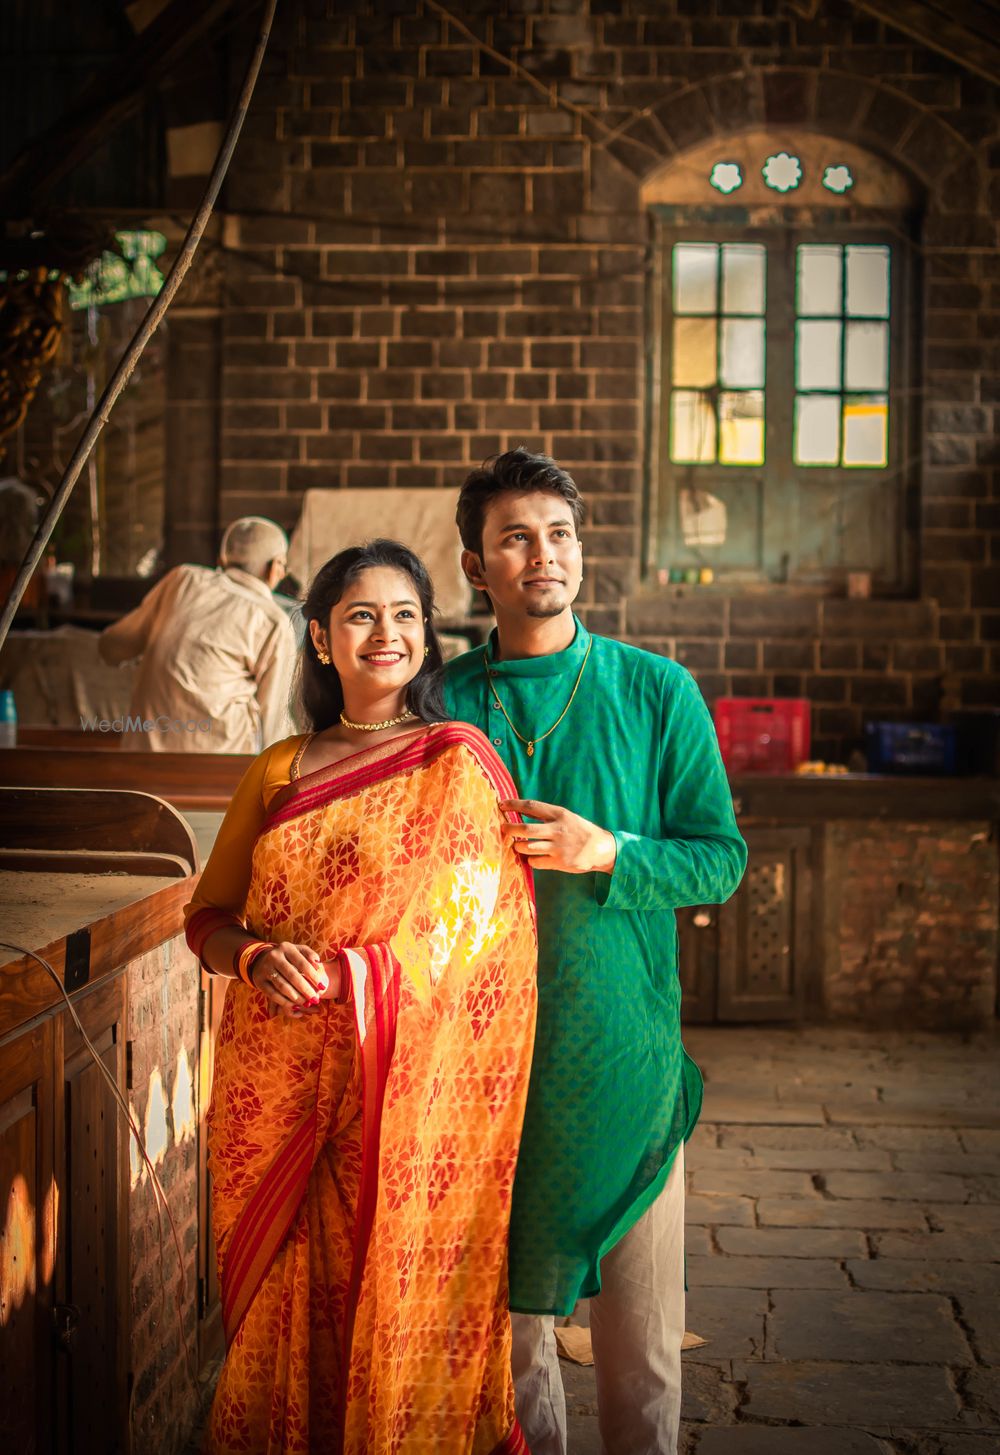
(762, 734)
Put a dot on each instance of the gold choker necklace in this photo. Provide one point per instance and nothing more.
(375, 727)
(530, 742)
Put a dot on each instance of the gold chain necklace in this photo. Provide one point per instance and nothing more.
(530, 742)
(375, 727)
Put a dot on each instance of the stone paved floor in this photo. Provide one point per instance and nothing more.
(843, 1248)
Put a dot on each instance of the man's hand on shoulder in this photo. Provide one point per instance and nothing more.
(560, 839)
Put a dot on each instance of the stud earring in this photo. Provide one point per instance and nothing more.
(324, 657)
(427, 651)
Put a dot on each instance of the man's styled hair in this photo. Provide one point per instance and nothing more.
(252, 543)
(515, 472)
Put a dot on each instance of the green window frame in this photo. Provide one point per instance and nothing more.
(777, 515)
(841, 396)
(718, 350)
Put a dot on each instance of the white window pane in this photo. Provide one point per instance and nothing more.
(696, 271)
(694, 359)
(742, 363)
(868, 280)
(817, 355)
(866, 357)
(743, 278)
(866, 433)
(817, 430)
(741, 428)
(692, 428)
(819, 280)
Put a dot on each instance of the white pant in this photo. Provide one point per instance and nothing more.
(636, 1327)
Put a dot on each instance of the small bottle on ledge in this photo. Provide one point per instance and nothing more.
(8, 719)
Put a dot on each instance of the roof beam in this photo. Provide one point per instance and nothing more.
(105, 103)
(965, 33)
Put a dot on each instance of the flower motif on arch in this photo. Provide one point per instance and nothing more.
(726, 177)
(782, 172)
(838, 179)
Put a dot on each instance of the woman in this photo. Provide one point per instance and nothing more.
(371, 1068)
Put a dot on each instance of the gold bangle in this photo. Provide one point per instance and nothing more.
(248, 957)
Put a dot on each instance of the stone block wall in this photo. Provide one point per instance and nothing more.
(910, 923)
(163, 1042)
(435, 248)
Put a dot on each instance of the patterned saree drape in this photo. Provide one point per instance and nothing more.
(362, 1158)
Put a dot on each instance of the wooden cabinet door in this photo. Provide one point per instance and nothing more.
(28, 1208)
(764, 930)
(94, 1272)
(698, 963)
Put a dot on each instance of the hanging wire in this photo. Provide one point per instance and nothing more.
(144, 333)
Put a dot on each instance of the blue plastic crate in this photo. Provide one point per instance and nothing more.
(910, 747)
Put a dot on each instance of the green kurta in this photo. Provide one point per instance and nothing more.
(612, 1093)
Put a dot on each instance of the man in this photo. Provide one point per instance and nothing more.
(217, 650)
(615, 756)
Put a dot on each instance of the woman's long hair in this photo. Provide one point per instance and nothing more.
(320, 692)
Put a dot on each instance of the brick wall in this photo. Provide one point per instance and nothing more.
(163, 1036)
(910, 927)
(429, 257)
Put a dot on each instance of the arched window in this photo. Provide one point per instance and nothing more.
(780, 364)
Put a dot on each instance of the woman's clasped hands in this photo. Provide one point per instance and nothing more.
(295, 978)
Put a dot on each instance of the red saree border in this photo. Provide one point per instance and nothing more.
(513, 1442)
(264, 1223)
(376, 1009)
(266, 1219)
(303, 795)
(362, 760)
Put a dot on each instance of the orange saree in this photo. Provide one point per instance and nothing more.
(362, 1157)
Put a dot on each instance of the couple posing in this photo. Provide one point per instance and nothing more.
(379, 1072)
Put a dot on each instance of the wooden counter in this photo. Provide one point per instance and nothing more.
(94, 881)
(815, 797)
(87, 926)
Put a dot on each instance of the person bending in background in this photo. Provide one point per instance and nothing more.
(363, 1141)
(216, 650)
(616, 762)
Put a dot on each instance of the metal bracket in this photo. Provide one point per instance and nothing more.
(66, 1318)
(77, 966)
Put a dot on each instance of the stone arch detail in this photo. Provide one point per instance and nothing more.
(876, 184)
(870, 113)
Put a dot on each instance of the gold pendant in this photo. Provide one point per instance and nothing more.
(531, 750)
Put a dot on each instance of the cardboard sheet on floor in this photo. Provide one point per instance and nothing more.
(573, 1343)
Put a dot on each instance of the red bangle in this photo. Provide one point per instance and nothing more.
(346, 980)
